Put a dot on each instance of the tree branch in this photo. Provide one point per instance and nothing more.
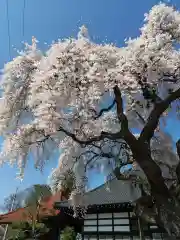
(178, 166)
(125, 132)
(178, 148)
(103, 110)
(93, 139)
(153, 120)
(119, 102)
(103, 135)
(140, 117)
(98, 155)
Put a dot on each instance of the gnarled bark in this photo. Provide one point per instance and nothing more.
(166, 206)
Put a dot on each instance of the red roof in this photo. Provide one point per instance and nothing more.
(23, 214)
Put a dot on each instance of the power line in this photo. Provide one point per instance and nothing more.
(23, 20)
(8, 24)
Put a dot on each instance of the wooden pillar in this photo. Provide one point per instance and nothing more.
(141, 233)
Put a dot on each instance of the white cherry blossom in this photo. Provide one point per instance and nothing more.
(54, 100)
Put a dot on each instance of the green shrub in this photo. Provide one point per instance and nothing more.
(68, 234)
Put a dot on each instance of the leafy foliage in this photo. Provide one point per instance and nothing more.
(26, 197)
(21, 230)
(68, 234)
(31, 228)
(37, 193)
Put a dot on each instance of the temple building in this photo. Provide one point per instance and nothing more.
(109, 215)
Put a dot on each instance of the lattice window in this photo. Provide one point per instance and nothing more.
(104, 215)
(107, 222)
(90, 228)
(119, 224)
(91, 222)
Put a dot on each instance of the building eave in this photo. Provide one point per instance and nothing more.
(120, 192)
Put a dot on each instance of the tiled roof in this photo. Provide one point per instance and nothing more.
(18, 215)
(120, 192)
(22, 214)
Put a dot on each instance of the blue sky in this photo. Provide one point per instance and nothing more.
(47, 20)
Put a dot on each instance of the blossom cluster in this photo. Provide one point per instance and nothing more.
(46, 96)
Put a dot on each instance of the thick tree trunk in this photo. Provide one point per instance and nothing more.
(168, 209)
(142, 154)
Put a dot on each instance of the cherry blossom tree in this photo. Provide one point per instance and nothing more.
(54, 101)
